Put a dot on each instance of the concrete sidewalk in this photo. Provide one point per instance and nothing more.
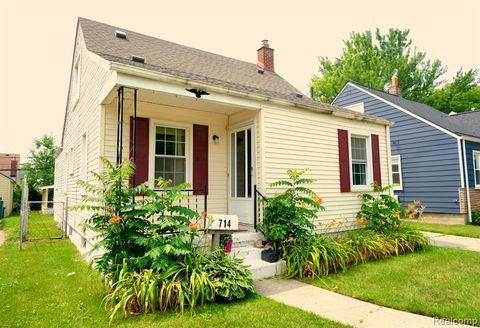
(340, 308)
(442, 240)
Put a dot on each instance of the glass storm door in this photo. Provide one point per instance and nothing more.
(241, 174)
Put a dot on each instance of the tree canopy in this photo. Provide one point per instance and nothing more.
(372, 58)
(41, 166)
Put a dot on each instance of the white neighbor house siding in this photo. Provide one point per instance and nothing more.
(82, 117)
(6, 193)
(296, 138)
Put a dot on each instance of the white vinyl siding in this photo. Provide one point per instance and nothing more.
(6, 193)
(298, 139)
(83, 157)
(397, 172)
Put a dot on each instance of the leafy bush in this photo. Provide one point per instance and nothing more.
(415, 210)
(291, 213)
(148, 232)
(380, 212)
(476, 218)
(230, 277)
(319, 255)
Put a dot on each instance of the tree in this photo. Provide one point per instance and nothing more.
(372, 60)
(41, 166)
(461, 95)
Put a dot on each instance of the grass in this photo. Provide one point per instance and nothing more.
(38, 289)
(465, 230)
(437, 282)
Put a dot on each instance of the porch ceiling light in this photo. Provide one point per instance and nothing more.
(198, 92)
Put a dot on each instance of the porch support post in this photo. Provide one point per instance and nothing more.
(134, 132)
(119, 125)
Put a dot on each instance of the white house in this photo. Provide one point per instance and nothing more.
(227, 126)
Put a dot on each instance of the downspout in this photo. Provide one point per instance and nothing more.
(467, 187)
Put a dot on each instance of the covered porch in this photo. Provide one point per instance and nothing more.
(211, 141)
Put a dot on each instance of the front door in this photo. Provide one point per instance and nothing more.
(241, 175)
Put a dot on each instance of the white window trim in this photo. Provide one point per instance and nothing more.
(188, 149)
(400, 186)
(368, 137)
(477, 183)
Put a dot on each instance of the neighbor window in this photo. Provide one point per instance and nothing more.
(360, 165)
(397, 172)
(170, 154)
(476, 168)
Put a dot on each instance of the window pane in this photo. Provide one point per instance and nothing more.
(159, 167)
(170, 165)
(477, 176)
(396, 178)
(180, 149)
(160, 147)
(180, 135)
(169, 148)
(477, 162)
(359, 149)
(180, 165)
(170, 134)
(240, 145)
(179, 178)
(359, 174)
(395, 168)
(160, 133)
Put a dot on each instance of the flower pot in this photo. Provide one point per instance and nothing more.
(270, 255)
(227, 247)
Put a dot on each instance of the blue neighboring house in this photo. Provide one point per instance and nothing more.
(435, 156)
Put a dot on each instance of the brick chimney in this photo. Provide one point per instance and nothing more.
(394, 88)
(265, 57)
(13, 168)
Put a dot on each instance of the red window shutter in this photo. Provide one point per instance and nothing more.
(377, 173)
(141, 148)
(200, 159)
(344, 160)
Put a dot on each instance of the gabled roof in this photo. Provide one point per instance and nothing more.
(459, 124)
(196, 65)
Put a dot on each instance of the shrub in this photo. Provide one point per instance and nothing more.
(380, 212)
(476, 218)
(414, 210)
(230, 277)
(319, 255)
(291, 213)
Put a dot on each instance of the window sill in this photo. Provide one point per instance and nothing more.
(360, 189)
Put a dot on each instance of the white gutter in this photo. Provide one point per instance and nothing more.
(128, 69)
(467, 187)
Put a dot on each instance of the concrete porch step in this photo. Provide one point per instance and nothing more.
(261, 269)
(241, 239)
(248, 252)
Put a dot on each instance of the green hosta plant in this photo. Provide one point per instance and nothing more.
(231, 278)
(380, 212)
(291, 213)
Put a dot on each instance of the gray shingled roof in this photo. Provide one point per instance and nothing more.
(458, 124)
(190, 63)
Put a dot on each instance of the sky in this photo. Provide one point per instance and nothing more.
(36, 42)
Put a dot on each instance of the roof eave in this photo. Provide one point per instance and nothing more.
(142, 72)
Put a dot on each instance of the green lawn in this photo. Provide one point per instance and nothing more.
(438, 282)
(37, 291)
(466, 230)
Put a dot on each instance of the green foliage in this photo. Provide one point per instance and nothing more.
(41, 165)
(151, 231)
(320, 255)
(380, 212)
(17, 198)
(231, 278)
(371, 59)
(476, 218)
(461, 95)
(291, 213)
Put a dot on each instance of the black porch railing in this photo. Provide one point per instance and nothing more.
(259, 201)
(195, 200)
